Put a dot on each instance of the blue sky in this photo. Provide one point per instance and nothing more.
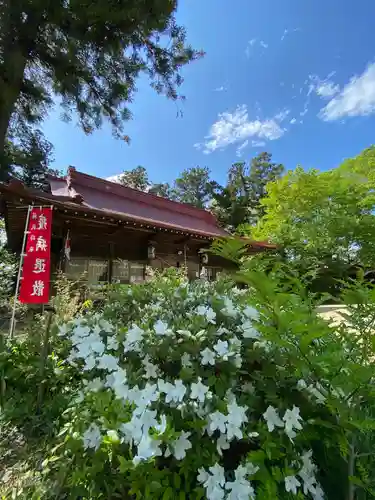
(295, 78)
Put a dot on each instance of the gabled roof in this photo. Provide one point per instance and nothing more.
(120, 201)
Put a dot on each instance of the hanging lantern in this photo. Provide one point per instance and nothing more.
(151, 252)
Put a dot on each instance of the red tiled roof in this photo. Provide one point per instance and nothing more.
(100, 195)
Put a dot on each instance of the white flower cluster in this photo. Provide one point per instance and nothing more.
(307, 475)
(165, 362)
(291, 420)
(217, 488)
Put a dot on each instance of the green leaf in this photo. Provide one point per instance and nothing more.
(168, 494)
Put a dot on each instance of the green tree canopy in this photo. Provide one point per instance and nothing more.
(88, 53)
(238, 202)
(323, 219)
(137, 178)
(193, 186)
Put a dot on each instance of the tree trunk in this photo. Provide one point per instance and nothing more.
(11, 78)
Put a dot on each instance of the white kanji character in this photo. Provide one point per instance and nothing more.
(34, 216)
(32, 237)
(38, 288)
(42, 222)
(39, 266)
(41, 244)
(31, 249)
(33, 227)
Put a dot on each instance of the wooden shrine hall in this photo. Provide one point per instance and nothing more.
(115, 231)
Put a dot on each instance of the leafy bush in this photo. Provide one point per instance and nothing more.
(199, 390)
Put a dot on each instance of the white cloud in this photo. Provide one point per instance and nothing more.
(357, 98)
(251, 43)
(293, 121)
(220, 89)
(287, 31)
(114, 178)
(257, 144)
(241, 148)
(236, 127)
(280, 117)
(327, 90)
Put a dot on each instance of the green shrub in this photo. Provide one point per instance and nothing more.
(199, 390)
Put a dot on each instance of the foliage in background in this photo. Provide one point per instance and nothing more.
(239, 201)
(323, 221)
(193, 187)
(137, 178)
(89, 54)
(203, 390)
(236, 203)
(8, 270)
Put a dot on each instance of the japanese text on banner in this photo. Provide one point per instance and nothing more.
(35, 282)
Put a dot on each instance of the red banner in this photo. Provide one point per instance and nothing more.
(35, 281)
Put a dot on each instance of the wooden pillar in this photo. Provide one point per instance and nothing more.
(110, 261)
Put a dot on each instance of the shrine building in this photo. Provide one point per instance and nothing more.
(114, 231)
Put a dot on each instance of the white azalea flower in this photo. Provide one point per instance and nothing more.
(92, 437)
(161, 328)
(272, 418)
(147, 448)
(186, 360)
(240, 490)
(291, 484)
(251, 469)
(301, 384)
(215, 483)
(132, 430)
(251, 313)
(221, 330)
(292, 421)
(181, 445)
(214, 492)
(233, 431)
(143, 397)
(208, 312)
(217, 421)
(222, 444)
(237, 414)
(176, 392)
(164, 386)
(112, 343)
(229, 309)
(133, 338)
(203, 475)
(222, 349)
(90, 362)
(208, 357)
(199, 391)
(108, 362)
(249, 331)
(98, 347)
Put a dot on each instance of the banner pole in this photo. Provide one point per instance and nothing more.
(11, 329)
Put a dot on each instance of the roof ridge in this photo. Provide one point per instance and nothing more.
(190, 209)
